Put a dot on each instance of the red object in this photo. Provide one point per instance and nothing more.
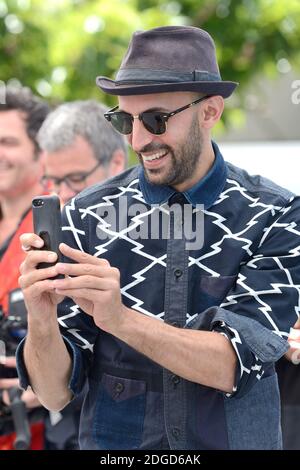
(11, 260)
(37, 438)
(9, 275)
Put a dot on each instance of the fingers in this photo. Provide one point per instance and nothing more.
(30, 240)
(88, 271)
(9, 361)
(86, 294)
(80, 256)
(31, 277)
(34, 291)
(293, 354)
(89, 282)
(33, 258)
(8, 383)
(30, 399)
(101, 270)
(294, 337)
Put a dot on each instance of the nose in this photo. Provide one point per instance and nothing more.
(65, 193)
(139, 137)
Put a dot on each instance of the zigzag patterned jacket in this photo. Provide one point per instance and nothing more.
(242, 279)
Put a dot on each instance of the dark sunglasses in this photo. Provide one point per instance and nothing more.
(154, 121)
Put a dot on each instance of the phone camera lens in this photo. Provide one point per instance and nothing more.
(38, 202)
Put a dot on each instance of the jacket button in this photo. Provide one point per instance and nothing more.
(178, 273)
(119, 387)
(175, 433)
(175, 379)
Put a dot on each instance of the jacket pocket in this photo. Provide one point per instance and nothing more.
(209, 291)
(217, 287)
(119, 413)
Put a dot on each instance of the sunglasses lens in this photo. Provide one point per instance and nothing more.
(122, 122)
(154, 122)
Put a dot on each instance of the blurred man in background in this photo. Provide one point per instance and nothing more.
(21, 116)
(80, 149)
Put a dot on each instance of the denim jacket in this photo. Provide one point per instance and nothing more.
(243, 282)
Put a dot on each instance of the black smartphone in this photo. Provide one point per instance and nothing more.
(47, 224)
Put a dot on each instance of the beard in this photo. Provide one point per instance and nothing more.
(184, 160)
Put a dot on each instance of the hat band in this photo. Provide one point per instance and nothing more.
(140, 76)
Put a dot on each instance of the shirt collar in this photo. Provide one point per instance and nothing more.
(206, 191)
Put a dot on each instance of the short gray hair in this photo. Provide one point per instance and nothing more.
(84, 118)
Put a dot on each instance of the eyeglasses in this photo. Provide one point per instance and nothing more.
(75, 181)
(154, 121)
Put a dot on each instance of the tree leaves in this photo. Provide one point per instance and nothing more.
(62, 45)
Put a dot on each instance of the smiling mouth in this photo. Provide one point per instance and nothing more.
(154, 156)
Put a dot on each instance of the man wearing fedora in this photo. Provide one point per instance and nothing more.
(181, 274)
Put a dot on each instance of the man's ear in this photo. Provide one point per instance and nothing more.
(211, 111)
(117, 163)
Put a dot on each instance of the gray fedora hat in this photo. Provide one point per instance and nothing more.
(170, 58)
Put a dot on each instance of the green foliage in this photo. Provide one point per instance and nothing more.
(58, 47)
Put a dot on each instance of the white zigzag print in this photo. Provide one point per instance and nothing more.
(243, 239)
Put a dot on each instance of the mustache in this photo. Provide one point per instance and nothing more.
(153, 147)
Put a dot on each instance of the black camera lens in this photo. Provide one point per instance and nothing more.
(38, 202)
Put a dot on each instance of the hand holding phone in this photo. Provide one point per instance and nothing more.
(37, 284)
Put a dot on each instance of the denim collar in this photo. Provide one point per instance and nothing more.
(206, 191)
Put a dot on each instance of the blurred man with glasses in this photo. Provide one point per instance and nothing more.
(79, 148)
